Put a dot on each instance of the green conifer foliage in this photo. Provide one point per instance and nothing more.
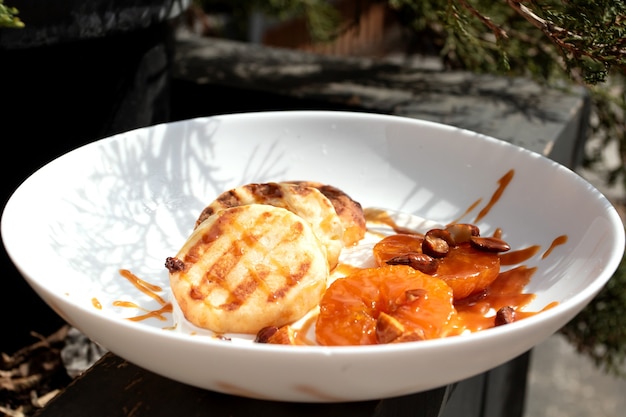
(8, 17)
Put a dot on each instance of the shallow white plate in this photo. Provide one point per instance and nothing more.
(129, 201)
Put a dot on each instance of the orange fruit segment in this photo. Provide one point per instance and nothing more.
(468, 270)
(387, 304)
(395, 245)
(465, 269)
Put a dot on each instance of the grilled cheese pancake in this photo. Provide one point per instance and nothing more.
(248, 267)
(349, 211)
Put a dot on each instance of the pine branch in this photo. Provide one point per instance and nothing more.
(497, 30)
(566, 40)
(8, 17)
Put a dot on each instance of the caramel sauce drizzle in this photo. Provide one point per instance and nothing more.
(143, 286)
(504, 181)
(477, 311)
(519, 256)
(380, 216)
(301, 335)
(158, 314)
(506, 290)
(148, 289)
(468, 211)
(560, 240)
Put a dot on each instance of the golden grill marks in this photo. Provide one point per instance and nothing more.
(248, 267)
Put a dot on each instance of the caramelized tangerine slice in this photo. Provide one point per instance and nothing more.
(468, 270)
(395, 245)
(387, 304)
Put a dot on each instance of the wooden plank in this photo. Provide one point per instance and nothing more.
(114, 387)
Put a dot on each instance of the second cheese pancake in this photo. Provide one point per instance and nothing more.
(349, 210)
(248, 267)
(307, 202)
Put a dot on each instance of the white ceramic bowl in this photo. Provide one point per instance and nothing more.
(129, 201)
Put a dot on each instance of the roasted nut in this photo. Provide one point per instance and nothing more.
(388, 328)
(285, 335)
(437, 243)
(472, 299)
(264, 335)
(489, 244)
(505, 315)
(174, 264)
(273, 335)
(414, 336)
(419, 261)
(462, 232)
